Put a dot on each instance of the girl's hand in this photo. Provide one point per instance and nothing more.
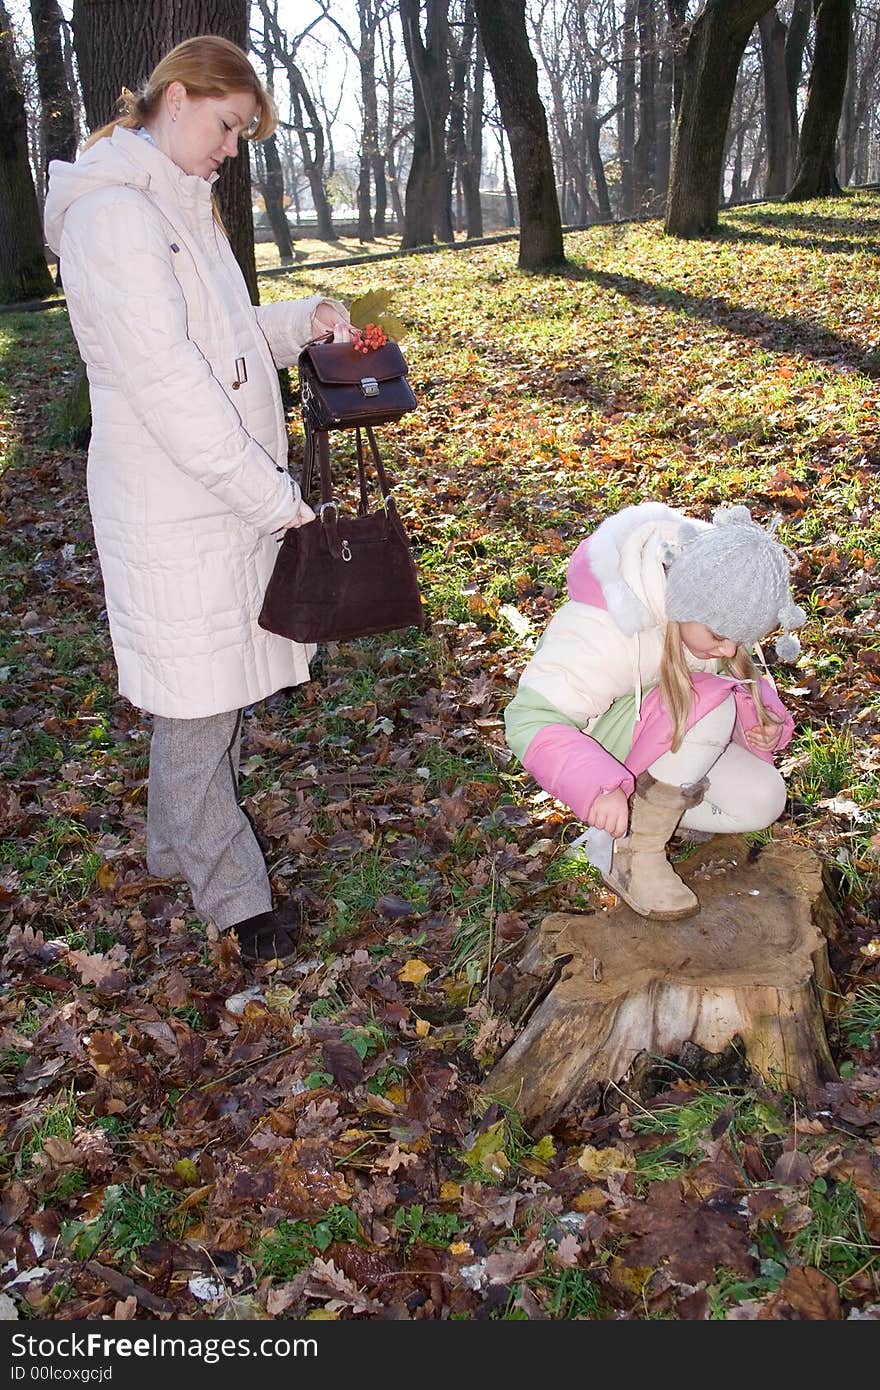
(328, 318)
(610, 811)
(763, 737)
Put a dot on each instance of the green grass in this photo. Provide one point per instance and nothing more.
(837, 1240)
(828, 765)
(58, 1121)
(356, 887)
(859, 1019)
(681, 1131)
(130, 1217)
(292, 1245)
(58, 861)
(421, 1227)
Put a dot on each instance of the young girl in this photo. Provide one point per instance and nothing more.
(641, 708)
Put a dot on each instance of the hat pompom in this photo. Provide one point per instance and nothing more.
(732, 516)
(792, 616)
(788, 647)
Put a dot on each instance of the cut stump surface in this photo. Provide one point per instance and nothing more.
(752, 964)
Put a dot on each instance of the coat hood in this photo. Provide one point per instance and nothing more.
(123, 159)
(620, 566)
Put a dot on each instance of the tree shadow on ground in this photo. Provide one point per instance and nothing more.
(844, 245)
(771, 332)
(814, 223)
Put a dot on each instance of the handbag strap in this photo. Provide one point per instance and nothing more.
(318, 446)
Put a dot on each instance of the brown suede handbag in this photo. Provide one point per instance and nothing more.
(342, 576)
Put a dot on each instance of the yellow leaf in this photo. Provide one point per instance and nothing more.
(322, 1315)
(451, 1191)
(413, 972)
(187, 1171)
(423, 1027)
(626, 1279)
(487, 1151)
(601, 1163)
(396, 1094)
(545, 1148)
(106, 876)
(591, 1199)
(460, 1247)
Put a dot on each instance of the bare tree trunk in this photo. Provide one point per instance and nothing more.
(273, 197)
(716, 45)
(780, 146)
(472, 166)
(116, 47)
(428, 183)
(308, 123)
(370, 127)
(795, 44)
(626, 123)
(515, 76)
(645, 156)
(56, 103)
(23, 270)
(663, 116)
(849, 122)
(815, 176)
(676, 11)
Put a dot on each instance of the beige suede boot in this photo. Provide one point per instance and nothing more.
(640, 873)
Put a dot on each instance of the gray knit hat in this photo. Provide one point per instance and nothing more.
(733, 576)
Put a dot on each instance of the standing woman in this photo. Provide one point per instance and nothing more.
(188, 483)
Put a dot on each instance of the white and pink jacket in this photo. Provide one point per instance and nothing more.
(603, 645)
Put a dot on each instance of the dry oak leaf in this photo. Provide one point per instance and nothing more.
(307, 1182)
(327, 1282)
(506, 1266)
(108, 1053)
(805, 1293)
(102, 970)
(691, 1239)
(343, 1063)
(396, 1159)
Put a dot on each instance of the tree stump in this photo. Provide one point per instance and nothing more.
(752, 964)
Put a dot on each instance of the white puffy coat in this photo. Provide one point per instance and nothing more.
(188, 481)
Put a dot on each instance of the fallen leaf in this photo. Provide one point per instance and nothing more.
(413, 972)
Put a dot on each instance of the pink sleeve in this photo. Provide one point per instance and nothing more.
(747, 717)
(574, 768)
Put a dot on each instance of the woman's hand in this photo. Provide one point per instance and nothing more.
(610, 811)
(763, 737)
(332, 318)
(304, 514)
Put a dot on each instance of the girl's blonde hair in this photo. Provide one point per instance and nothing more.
(208, 66)
(675, 683)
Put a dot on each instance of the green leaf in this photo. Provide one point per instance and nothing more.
(373, 307)
(368, 308)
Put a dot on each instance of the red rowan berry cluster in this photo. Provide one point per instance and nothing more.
(368, 338)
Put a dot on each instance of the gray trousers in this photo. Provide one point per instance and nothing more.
(195, 826)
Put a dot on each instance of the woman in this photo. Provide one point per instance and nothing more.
(641, 707)
(187, 475)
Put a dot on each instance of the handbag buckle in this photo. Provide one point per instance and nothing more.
(369, 386)
(323, 507)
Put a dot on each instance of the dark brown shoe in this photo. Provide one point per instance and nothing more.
(269, 935)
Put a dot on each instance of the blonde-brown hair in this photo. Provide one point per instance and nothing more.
(675, 683)
(207, 66)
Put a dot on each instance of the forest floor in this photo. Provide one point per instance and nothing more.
(182, 1139)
